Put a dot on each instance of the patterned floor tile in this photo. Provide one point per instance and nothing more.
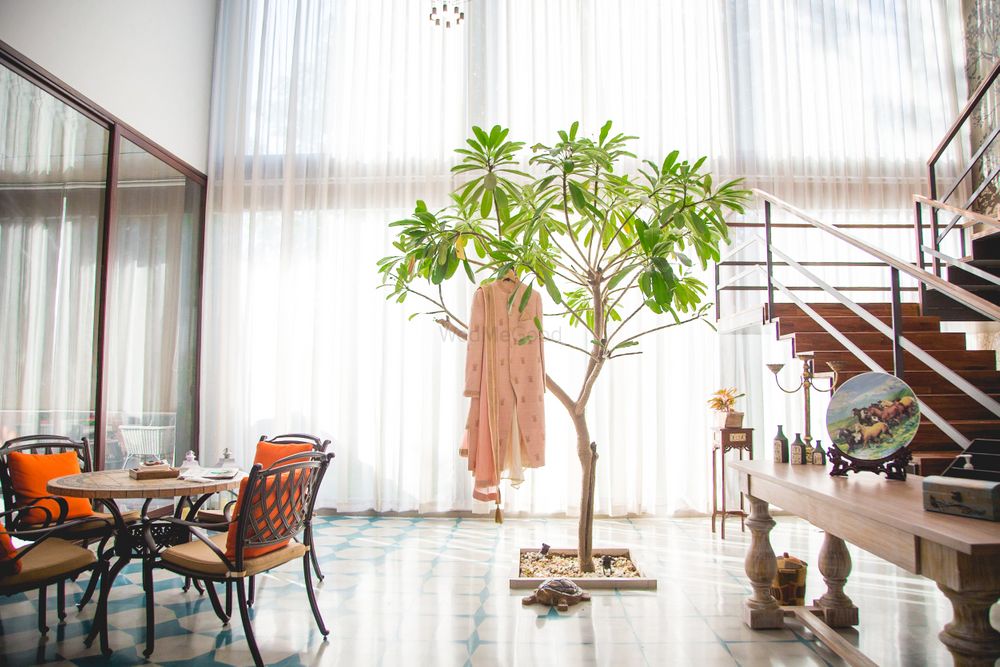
(435, 591)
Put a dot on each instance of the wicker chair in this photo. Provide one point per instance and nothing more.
(97, 528)
(48, 559)
(276, 507)
(142, 441)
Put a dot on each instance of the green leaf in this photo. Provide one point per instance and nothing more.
(490, 181)
(553, 290)
(538, 324)
(524, 340)
(524, 299)
(481, 136)
(486, 204)
(573, 128)
(502, 207)
(604, 132)
(661, 291)
(668, 163)
(628, 343)
(468, 272)
(437, 273)
(576, 193)
(619, 277)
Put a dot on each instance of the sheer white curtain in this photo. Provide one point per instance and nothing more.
(330, 119)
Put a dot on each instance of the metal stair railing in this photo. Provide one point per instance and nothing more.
(894, 332)
(988, 86)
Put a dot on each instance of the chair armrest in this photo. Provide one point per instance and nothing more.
(39, 535)
(18, 522)
(197, 529)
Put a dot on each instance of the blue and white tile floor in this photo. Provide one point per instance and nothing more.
(402, 591)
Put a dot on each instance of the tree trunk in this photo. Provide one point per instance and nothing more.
(587, 453)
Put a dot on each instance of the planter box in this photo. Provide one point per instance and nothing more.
(518, 582)
(729, 420)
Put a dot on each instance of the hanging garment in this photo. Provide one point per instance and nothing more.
(505, 377)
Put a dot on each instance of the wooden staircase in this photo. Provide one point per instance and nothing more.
(985, 257)
(932, 449)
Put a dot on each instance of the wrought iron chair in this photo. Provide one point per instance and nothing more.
(97, 528)
(48, 559)
(224, 516)
(142, 441)
(274, 509)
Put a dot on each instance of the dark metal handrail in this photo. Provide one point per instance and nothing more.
(932, 163)
(964, 114)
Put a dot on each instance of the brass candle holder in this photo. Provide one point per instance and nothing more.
(806, 384)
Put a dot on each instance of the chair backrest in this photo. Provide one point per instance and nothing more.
(39, 444)
(277, 503)
(288, 438)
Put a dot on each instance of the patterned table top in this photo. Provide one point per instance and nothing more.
(118, 484)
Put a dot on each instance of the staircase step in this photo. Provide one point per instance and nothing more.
(792, 324)
(839, 309)
(933, 462)
(930, 436)
(958, 406)
(959, 277)
(985, 360)
(950, 310)
(986, 247)
(931, 340)
(929, 382)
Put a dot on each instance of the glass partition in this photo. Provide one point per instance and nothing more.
(152, 311)
(100, 275)
(53, 168)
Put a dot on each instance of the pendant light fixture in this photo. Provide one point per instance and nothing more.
(446, 13)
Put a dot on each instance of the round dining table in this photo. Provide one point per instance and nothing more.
(110, 485)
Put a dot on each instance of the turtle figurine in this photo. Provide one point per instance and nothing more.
(557, 592)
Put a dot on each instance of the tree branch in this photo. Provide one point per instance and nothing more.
(559, 342)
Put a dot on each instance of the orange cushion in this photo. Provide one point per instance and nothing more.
(269, 453)
(8, 566)
(258, 526)
(30, 473)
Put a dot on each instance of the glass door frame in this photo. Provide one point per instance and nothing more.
(117, 130)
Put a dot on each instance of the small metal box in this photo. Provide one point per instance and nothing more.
(965, 497)
(970, 486)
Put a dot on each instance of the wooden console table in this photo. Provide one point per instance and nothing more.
(885, 518)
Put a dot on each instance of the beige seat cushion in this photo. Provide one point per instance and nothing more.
(46, 562)
(100, 521)
(213, 516)
(195, 555)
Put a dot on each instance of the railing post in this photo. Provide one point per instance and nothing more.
(935, 241)
(918, 217)
(897, 324)
(768, 260)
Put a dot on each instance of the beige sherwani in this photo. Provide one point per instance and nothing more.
(505, 430)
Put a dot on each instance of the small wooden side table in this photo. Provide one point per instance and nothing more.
(724, 440)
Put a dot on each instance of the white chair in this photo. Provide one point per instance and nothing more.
(141, 441)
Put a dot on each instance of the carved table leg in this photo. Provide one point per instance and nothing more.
(835, 566)
(761, 610)
(971, 639)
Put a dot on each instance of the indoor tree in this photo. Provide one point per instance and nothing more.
(602, 243)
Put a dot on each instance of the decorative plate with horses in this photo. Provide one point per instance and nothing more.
(872, 416)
